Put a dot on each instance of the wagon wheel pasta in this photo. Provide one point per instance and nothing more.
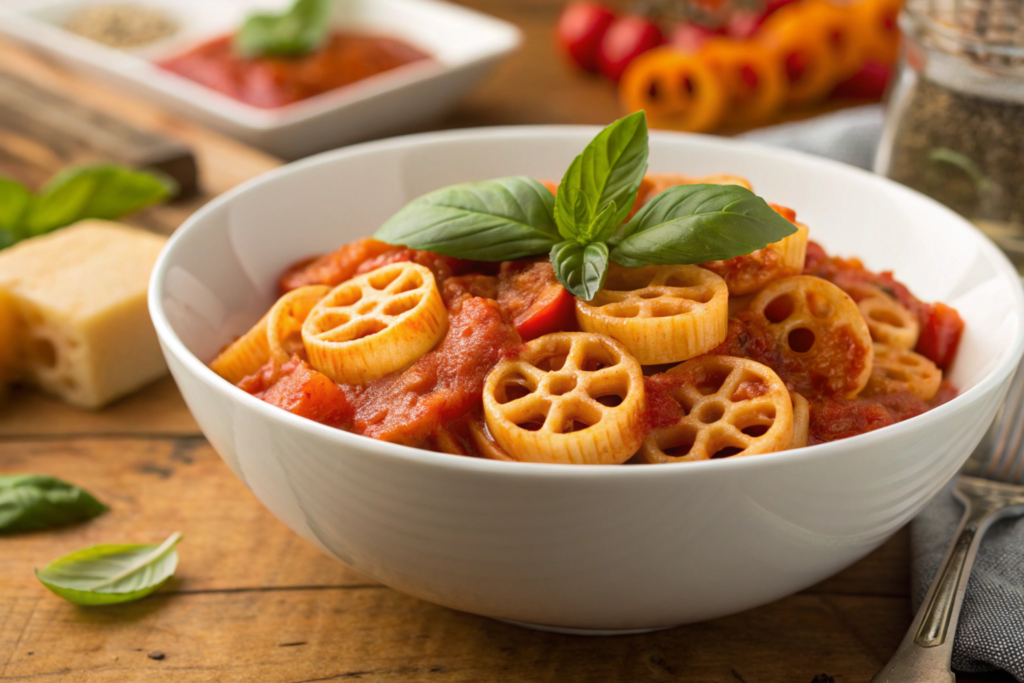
(731, 406)
(815, 326)
(889, 322)
(375, 324)
(568, 397)
(245, 355)
(903, 370)
(801, 420)
(662, 314)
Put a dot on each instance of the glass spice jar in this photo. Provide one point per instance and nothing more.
(955, 123)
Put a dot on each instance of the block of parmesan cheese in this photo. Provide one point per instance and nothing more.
(73, 314)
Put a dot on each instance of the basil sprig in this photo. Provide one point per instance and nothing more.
(111, 574)
(298, 31)
(29, 502)
(582, 228)
(106, 191)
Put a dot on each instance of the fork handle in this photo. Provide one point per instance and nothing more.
(924, 655)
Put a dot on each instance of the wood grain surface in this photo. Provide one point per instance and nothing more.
(251, 601)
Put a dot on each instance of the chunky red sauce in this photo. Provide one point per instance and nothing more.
(269, 82)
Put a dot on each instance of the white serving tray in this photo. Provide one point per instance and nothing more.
(464, 46)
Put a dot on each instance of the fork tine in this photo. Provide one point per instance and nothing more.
(1006, 449)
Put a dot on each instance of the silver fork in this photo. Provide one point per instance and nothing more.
(991, 487)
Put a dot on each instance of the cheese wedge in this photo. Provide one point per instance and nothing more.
(73, 314)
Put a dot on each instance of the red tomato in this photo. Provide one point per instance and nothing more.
(580, 29)
(867, 84)
(941, 327)
(627, 38)
(554, 310)
(689, 37)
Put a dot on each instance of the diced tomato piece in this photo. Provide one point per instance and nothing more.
(554, 310)
(941, 328)
(310, 394)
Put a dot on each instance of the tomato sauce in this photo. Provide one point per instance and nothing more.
(493, 308)
(270, 81)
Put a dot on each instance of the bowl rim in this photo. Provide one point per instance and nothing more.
(424, 458)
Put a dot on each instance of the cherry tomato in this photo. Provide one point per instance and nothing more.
(867, 84)
(626, 39)
(689, 37)
(554, 310)
(580, 29)
(941, 327)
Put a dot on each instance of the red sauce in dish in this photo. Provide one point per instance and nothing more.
(269, 82)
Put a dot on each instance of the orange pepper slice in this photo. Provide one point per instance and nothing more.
(877, 24)
(753, 80)
(843, 31)
(677, 90)
(801, 45)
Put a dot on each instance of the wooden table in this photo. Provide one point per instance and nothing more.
(251, 601)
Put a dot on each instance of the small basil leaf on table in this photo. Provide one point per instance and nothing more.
(490, 220)
(300, 30)
(696, 224)
(104, 191)
(15, 205)
(30, 502)
(110, 574)
(610, 169)
(580, 268)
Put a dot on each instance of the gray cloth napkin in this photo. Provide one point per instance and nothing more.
(848, 135)
(990, 635)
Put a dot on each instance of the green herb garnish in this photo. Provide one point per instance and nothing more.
(29, 502)
(106, 191)
(582, 229)
(964, 163)
(298, 31)
(110, 574)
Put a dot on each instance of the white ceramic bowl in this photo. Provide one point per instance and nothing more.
(561, 546)
(465, 45)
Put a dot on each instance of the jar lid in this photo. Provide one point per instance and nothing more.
(986, 31)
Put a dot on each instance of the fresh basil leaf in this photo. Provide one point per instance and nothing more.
(610, 169)
(34, 501)
(109, 574)
(490, 220)
(298, 31)
(104, 191)
(580, 268)
(696, 224)
(15, 204)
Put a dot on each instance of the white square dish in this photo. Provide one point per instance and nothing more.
(464, 45)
